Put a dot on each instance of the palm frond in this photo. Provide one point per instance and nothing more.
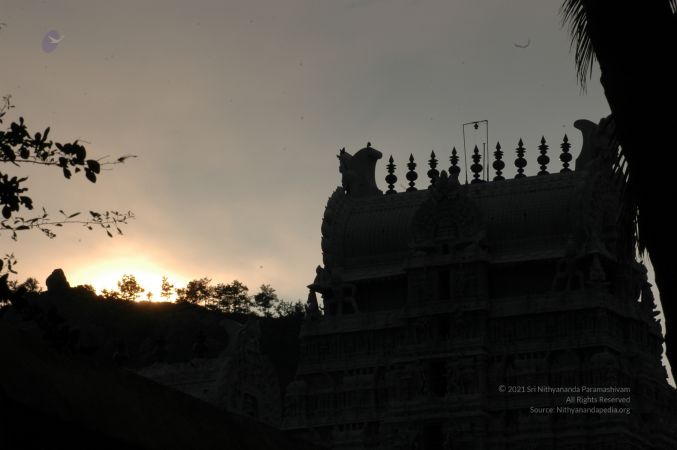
(629, 211)
(628, 214)
(574, 16)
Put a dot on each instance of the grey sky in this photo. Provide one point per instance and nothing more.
(237, 109)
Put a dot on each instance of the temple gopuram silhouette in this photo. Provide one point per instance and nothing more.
(501, 314)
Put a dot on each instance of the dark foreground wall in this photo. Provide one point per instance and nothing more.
(51, 399)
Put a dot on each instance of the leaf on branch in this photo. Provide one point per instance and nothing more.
(18, 145)
(8, 153)
(94, 165)
(80, 152)
(26, 201)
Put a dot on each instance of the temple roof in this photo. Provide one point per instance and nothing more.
(524, 219)
(367, 234)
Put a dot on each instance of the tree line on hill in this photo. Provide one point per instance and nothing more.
(233, 297)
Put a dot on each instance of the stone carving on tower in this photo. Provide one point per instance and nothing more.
(448, 219)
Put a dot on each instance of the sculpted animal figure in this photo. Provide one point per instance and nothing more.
(358, 171)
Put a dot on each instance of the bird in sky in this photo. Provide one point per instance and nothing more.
(522, 45)
(54, 41)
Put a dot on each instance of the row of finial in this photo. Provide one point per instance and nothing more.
(476, 168)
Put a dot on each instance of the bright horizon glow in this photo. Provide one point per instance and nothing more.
(106, 274)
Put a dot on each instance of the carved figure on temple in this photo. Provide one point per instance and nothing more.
(456, 384)
(312, 307)
(448, 218)
(598, 139)
(568, 275)
(358, 171)
(322, 281)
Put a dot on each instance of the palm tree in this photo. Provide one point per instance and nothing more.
(635, 44)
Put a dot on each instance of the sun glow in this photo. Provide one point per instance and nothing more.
(106, 274)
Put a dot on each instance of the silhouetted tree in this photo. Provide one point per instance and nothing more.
(19, 147)
(265, 300)
(129, 288)
(285, 309)
(635, 44)
(233, 298)
(30, 285)
(87, 288)
(166, 289)
(196, 291)
(111, 295)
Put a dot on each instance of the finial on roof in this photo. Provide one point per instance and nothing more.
(520, 162)
(543, 159)
(454, 170)
(565, 157)
(411, 175)
(498, 165)
(433, 173)
(368, 144)
(391, 178)
(476, 167)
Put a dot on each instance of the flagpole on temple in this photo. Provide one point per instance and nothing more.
(475, 125)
